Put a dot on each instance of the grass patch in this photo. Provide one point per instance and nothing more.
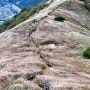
(41, 66)
(16, 77)
(86, 53)
(64, 4)
(26, 87)
(42, 83)
(59, 18)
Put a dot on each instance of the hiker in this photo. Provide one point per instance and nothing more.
(30, 32)
(47, 87)
(34, 30)
(41, 56)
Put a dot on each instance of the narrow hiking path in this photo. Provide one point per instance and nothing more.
(46, 70)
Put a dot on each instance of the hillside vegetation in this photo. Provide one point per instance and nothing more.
(49, 50)
(22, 16)
(87, 3)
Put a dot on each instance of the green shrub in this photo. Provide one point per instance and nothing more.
(27, 16)
(16, 77)
(86, 4)
(87, 1)
(18, 21)
(26, 87)
(86, 53)
(83, 0)
(59, 18)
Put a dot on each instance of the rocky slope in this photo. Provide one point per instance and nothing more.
(43, 52)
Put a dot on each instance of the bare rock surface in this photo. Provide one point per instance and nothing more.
(49, 56)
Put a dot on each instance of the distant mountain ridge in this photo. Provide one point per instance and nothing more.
(9, 8)
(25, 3)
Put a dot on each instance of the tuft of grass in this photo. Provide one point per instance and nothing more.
(86, 53)
(41, 66)
(59, 18)
(26, 87)
(42, 83)
(16, 77)
(49, 42)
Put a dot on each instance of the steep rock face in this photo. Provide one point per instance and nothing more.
(43, 52)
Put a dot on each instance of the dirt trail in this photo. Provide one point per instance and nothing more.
(45, 71)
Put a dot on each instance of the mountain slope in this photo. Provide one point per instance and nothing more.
(8, 10)
(42, 52)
